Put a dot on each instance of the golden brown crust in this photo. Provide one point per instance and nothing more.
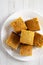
(27, 37)
(38, 40)
(25, 50)
(13, 40)
(32, 24)
(18, 25)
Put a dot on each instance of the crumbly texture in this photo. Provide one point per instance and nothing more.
(13, 40)
(25, 50)
(33, 24)
(38, 40)
(27, 37)
(18, 25)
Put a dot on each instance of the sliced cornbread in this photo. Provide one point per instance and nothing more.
(18, 25)
(25, 50)
(27, 37)
(38, 40)
(33, 24)
(13, 40)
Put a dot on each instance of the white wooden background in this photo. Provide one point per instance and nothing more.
(7, 7)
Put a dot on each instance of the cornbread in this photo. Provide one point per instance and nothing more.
(18, 25)
(27, 37)
(13, 40)
(25, 50)
(38, 40)
(33, 24)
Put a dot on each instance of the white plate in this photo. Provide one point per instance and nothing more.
(25, 14)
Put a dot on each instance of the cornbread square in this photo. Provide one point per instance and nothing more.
(25, 50)
(18, 24)
(13, 40)
(27, 37)
(33, 24)
(38, 40)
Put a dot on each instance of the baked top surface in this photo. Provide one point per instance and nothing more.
(27, 37)
(33, 24)
(13, 40)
